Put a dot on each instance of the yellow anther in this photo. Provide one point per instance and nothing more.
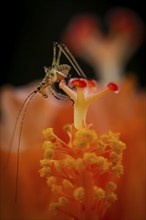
(62, 201)
(48, 153)
(99, 193)
(51, 180)
(79, 193)
(111, 186)
(67, 128)
(53, 206)
(44, 171)
(118, 146)
(67, 184)
(103, 163)
(90, 158)
(48, 144)
(44, 163)
(48, 133)
(118, 169)
(109, 136)
(84, 137)
(69, 162)
(111, 197)
(115, 157)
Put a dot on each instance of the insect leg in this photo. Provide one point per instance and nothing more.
(63, 51)
(71, 60)
(54, 55)
(56, 95)
(74, 60)
(58, 58)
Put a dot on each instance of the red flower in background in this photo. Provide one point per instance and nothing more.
(107, 52)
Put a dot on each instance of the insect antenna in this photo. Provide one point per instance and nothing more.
(15, 126)
(25, 104)
(71, 59)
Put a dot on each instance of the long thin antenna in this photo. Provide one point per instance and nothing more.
(15, 125)
(29, 98)
(72, 60)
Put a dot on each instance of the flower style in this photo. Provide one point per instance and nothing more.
(82, 173)
(86, 93)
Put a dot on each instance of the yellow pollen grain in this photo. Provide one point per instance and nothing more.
(103, 163)
(62, 201)
(67, 128)
(109, 137)
(44, 171)
(48, 144)
(118, 169)
(116, 158)
(79, 193)
(90, 158)
(84, 137)
(48, 133)
(53, 206)
(111, 186)
(69, 162)
(111, 197)
(118, 146)
(99, 193)
(51, 180)
(48, 153)
(67, 184)
(44, 163)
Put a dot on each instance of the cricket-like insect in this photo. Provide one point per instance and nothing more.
(53, 74)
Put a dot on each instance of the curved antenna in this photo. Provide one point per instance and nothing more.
(29, 98)
(15, 125)
(71, 59)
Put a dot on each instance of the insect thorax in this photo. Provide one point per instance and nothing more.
(53, 75)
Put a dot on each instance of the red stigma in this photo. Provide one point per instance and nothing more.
(113, 86)
(92, 83)
(77, 82)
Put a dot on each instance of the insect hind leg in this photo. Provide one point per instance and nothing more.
(58, 96)
(59, 56)
(54, 55)
(71, 59)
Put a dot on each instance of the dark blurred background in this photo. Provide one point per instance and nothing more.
(31, 26)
